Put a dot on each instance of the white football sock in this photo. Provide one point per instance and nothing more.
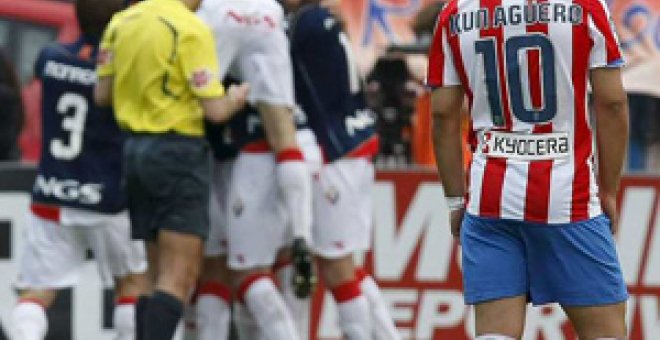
(353, 309)
(29, 321)
(383, 327)
(213, 311)
(263, 300)
(295, 182)
(246, 325)
(299, 308)
(123, 318)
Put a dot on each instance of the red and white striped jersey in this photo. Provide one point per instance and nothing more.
(524, 66)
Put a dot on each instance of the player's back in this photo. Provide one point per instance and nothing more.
(524, 66)
(245, 31)
(152, 51)
(249, 15)
(80, 163)
(328, 85)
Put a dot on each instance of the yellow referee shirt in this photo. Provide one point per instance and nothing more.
(163, 59)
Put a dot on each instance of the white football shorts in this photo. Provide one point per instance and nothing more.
(216, 243)
(342, 222)
(53, 253)
(258, 222)
(252, 46)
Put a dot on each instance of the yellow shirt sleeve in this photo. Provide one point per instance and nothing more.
(200, 64)
(105, 61)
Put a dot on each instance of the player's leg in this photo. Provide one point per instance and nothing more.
(120, 260)
(174, 173)
(29, 320)
(179, 259)
(495, 276)
(256, 230)
(141, 210)
(214, 299)
(382, 324)
(259, 294)
(576, 265)
(502, 317)
(298, 307)
(128, 289)
(266, 65)
(338, 274)
(342, 208)
(599, 322)
(214, 295)
(50, 261)
(294, 180)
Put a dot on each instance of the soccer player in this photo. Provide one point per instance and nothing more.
(78, 202)
(270, 194)
(329, 90)
(540, 213)
(212, 309)
(158, 69)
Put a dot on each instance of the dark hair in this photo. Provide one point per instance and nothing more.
(94, 15)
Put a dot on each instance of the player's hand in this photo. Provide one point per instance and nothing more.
(608, 203)
(304, 277)
(456, 219)
(237, 95)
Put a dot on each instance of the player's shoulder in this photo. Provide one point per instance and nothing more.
(314, 19)
(450, 8)
(55, 50)
(52, 52)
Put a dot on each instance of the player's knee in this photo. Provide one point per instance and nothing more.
(215, 269)
(180, 279)
(44, 298)
(132, 285)
(337, 271)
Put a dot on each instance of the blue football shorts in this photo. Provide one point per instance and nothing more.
(573, 264)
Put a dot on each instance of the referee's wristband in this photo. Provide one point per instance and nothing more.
(455, 203)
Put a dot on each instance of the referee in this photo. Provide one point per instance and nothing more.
(158, 68)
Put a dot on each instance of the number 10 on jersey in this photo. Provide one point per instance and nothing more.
(514, 47)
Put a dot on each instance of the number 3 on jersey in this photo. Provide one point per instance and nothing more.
(74, 124)
(514, 48)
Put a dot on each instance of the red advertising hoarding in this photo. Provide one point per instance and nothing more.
(416, 262)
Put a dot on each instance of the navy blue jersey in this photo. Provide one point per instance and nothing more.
(81, 150)
(221, 140)
(328, 87)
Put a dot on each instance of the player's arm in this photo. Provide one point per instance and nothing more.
(446, 104)
(105, 66)
(103, 91)
(221, 109)
(610, 106)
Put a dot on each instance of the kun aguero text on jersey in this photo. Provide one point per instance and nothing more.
(528, 14)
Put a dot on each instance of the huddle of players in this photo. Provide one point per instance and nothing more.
(278, 186)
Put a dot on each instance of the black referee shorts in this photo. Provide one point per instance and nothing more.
(167, 183)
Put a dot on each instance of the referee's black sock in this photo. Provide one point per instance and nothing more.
(163, 314)
(140, 312)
